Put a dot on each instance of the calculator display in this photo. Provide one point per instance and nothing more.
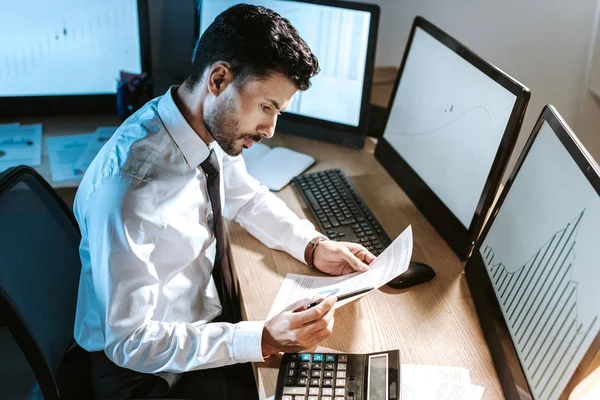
(378, 377)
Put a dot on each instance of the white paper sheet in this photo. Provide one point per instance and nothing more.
(64, 151)
(20, 144)
(391, 263)
(94, 146)
(458, 391)
(424, 382)
(425, 373)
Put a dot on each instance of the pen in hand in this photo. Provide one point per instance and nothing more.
(342, 297)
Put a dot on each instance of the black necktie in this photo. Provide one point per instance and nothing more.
(221, 270)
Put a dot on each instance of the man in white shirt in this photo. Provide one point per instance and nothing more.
(149, 311)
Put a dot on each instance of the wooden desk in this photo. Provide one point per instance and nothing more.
(434, 323)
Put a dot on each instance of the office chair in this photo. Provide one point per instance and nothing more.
(39, 278)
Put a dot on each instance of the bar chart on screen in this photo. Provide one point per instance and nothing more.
(539, 301)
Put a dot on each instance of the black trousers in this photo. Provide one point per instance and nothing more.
(110, 381)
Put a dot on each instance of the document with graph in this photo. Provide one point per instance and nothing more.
(392, 262)
(542, 255)
(20, 145)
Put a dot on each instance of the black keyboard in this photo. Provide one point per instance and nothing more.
(340, 211)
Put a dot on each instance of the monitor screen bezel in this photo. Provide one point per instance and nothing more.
(77, 104)
(458, 237)
(334, 132)
(482, 291)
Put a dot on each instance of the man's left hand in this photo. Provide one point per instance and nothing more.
(341, 258)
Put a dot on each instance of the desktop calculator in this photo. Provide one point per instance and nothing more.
(326, 376)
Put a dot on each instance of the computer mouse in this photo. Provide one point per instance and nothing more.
(416, 274)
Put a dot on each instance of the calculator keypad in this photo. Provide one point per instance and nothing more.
(315, 377)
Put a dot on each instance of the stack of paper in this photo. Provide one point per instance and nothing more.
(70, 156)
(423, 382)
(20, 144)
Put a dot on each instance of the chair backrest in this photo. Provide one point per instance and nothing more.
(39, 272)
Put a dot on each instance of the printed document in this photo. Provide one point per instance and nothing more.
(20, 144)
(64, 151)
(388, 265)
(426, 382)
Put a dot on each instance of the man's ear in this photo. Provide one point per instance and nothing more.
(219, 77)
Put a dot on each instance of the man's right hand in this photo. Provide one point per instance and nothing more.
(296, 328)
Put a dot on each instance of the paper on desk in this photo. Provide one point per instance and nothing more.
(388, 265)
(425, 373)
(423, 382)
(89, 153)
(20, 144)
(64, 151)
(457, 391)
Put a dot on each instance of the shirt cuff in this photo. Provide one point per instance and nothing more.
(247, 338)
(303, 233)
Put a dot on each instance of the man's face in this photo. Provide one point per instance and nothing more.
(242, 116)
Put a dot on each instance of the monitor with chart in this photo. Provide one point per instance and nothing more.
(342, 34)
(65, 56)
(452, 124)
(534, 272)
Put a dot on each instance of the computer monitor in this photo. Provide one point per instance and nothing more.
(343, 35)
(452, 124)
(65, 56)
(534, 273)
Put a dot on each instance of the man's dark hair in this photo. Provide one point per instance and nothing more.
(255, 42)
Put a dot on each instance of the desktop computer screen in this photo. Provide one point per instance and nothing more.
(538, 257)
(453, 121)
(68, 47)
(341, 35)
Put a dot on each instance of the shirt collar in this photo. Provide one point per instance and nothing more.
(193, 148)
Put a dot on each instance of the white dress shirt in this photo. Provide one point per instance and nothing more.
(146, 294)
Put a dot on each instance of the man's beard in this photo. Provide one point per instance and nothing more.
(222, 125)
